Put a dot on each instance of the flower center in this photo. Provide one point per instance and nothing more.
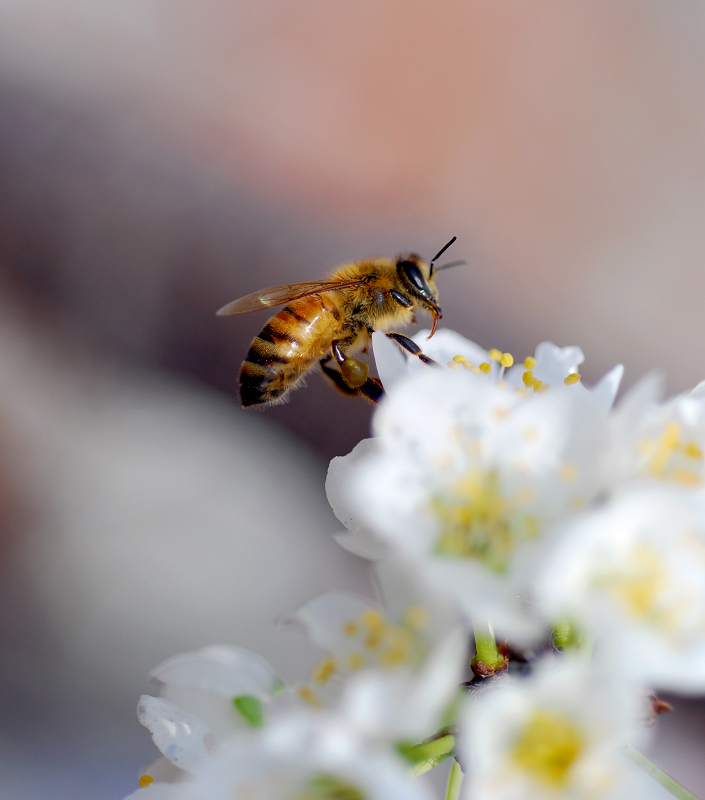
(387, 645)
(670, 457)
(639, 588)
(547, 748)
(478, 522)
(329, 787)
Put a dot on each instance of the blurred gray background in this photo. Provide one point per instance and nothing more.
(160, 159)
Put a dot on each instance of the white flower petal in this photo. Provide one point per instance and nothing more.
(363, 544)
(180, 736)
(391, 363)
(224, 670)
(325, 619)
(633, 575)
(339, 472)
(605, 390)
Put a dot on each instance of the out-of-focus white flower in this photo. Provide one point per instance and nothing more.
(406, 704)
(356, 538)
(226, 686)
(207, 697)
(466, 478)
(298, 757)
(403, 682)
(182, 738)
(660, 441)
(633, 575)
(356, 634)
(556, 734)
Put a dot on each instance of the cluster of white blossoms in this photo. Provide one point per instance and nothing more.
(499, 502)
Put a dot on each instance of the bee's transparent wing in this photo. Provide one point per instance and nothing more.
(276, 295)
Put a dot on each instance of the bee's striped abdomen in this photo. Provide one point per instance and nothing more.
(288, 346)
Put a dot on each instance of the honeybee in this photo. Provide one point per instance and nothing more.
(334, 319)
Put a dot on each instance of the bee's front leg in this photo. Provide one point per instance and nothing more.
(410, 346)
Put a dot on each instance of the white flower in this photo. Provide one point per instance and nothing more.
(550, 366)
(402, 682)
(556, 734)
(633, 576)
(207, 698)
(660, 441)
(298, 757)
(228, 687)
(466, 478)
(182, 738)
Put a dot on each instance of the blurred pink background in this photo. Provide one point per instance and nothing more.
(160, 159)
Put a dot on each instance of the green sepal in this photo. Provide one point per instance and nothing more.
(250, 709)
(566, 635)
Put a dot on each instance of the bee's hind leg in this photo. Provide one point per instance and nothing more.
(410, 346)
(371, 388)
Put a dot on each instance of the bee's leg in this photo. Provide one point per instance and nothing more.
(411, 347)
(355, 373)
(371, 388)
(336, 377)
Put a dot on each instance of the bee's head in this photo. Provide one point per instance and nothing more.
(420, 281)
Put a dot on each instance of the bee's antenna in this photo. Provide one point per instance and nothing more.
(438, 255)
(451, 264)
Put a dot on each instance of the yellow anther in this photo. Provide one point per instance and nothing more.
(351, 628)
(548, 747)
(495, 354)
(485, 367)
(394, 656)
(536, 384)
(529, 363)
(528, 378)
(501, 413)
(686, 477)
(309, 696)
(521, 392)
(693, 451)
(506, 360)
(145, 780)
(375, 624)
(574, 377)
(372, 619)
(532, 434)
(453, 365)
(460, 359)
(664, 449)
(356, 661)
(568, 473)
(671, 435)
(416, 617)
(325, 670)
(640, 589)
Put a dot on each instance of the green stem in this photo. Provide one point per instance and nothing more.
(455, 782)
(436, 748)
(486, 648)
(428, 755)
(648, 766)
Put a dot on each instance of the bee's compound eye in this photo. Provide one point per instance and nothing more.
(354, 372)
(413, 273)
